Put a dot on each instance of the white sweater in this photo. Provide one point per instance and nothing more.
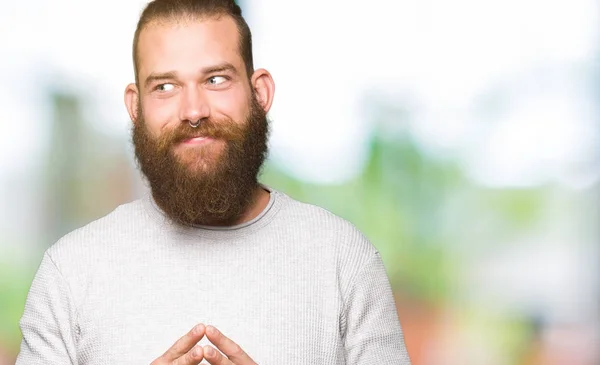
(296, 285)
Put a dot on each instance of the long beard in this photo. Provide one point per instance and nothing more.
(222, 189)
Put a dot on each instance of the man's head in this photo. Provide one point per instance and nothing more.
(176, 11)
(193, 63)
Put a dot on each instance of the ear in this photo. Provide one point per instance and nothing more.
(264, 88)
(131, 101)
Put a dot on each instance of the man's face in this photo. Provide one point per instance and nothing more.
(189, 72)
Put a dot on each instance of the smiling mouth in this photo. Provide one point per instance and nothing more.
(197, 140)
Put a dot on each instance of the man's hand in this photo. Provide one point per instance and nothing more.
(184, 351)
(234, 355)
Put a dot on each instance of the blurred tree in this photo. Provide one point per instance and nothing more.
(426, 218)
(88, 173)
(65, 156)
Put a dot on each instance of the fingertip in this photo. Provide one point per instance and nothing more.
(199, 329)
(209, 351)
(198, 352)
(211, 330)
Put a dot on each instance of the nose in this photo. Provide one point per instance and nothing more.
(194, 106)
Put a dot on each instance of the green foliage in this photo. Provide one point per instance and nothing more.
(14, 285)
(418, 210)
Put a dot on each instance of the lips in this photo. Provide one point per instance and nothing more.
(197, 140)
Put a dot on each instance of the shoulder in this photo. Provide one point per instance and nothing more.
(328, 228)
(87, 242)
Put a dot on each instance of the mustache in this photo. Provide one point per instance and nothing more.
(225, 129)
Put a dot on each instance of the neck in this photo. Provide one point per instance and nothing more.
(260, 200)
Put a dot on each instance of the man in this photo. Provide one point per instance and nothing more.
(211, 266)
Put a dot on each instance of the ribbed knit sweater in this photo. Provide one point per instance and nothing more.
(296, 285)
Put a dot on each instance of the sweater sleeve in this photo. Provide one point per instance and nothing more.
(48, 321)
(373, 334)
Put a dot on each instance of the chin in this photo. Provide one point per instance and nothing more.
(198, 166)
(201, 156)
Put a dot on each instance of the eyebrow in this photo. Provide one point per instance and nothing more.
(154, 77)
(170, 75)
(222, 67)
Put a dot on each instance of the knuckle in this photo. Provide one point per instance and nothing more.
(236, 350)
(182, 344)
(177, 346)
(159, 361)
(174, 351)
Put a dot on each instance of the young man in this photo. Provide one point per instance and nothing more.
(257, 276)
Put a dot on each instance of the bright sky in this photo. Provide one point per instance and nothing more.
(441, 56)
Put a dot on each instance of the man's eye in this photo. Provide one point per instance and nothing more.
(165, 87)
(216, 80)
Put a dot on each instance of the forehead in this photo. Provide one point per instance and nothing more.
(188, 45)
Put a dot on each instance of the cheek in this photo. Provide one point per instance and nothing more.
(158, 114)
(232, 104)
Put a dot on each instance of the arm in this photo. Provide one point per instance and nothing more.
(48, 321)
(372, 330)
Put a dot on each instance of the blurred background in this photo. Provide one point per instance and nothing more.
(463, 138)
